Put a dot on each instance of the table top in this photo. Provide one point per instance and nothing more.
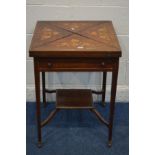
(74, 39)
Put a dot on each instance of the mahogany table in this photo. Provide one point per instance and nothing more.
(74, 46)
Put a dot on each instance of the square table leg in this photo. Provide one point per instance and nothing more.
(37, 91)
(104, 87)
(112, 103)
(43, 89)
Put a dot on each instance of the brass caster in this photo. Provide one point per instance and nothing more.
(110, 143)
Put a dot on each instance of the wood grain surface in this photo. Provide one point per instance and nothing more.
(81, 38)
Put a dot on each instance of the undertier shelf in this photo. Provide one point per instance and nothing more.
(74, 99)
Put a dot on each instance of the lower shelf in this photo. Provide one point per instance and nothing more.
(74, 99)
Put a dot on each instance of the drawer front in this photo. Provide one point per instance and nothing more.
(76, 65)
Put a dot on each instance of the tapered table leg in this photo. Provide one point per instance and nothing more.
(37, 90)
(104, 87)
(112, 103)
(43, 89)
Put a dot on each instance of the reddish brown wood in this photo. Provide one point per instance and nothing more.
(75, 39)
(37, 90)
(74, 99)
(75, 26)
(77, 64)
(97, 92)
(49, 118)
(112, 102)
(75, 46)
(43, 88)
(104, 87)
(99, 117)
(50, 91)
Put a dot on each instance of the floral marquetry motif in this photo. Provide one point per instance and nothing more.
(48, 33)
(102, 33)
(76, 42)
(74, 36)
(74, 46)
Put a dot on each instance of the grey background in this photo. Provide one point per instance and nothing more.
(115, 10)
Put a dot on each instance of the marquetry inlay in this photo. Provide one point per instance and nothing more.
(102, 33)
(75, 26)
(48, 33)
(74, 46)
(82, 35)
(76, 41)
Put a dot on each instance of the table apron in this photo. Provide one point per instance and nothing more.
(76, 65)
(76, 70)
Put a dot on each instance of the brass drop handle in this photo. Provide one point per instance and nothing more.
(103, 63)
(49, 64)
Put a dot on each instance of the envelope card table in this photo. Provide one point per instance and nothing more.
(75, 46)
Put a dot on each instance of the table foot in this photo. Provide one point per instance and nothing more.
(39, 144)
(110, 143)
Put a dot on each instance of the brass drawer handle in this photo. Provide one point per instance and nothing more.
(49, 64)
